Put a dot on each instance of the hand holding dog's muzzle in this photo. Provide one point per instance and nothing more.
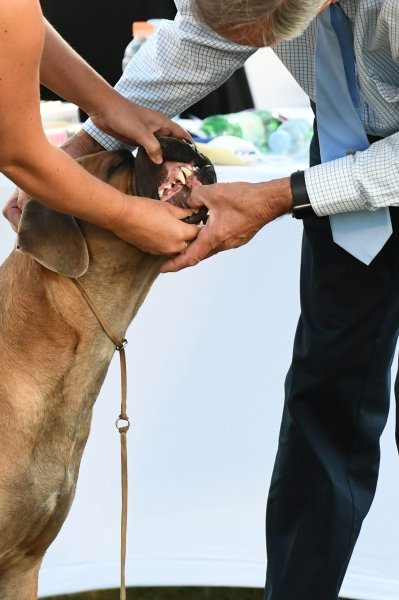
(162, 229)
(235, 213)
(137, 125)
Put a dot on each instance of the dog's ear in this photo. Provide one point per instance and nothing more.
(53, 239)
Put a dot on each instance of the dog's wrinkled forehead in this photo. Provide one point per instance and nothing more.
(147, 173)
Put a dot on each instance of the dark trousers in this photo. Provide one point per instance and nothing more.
(336, 406)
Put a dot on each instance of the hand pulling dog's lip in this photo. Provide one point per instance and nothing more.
(182, 169)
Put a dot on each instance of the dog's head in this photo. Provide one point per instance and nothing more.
(59, 242)
(183, 168)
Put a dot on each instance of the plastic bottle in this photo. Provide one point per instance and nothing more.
(253, 125)
(156, 22)
(141, 31)
(293, 137)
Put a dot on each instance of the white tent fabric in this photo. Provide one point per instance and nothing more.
(207, 357)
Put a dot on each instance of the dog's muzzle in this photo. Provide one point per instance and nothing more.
(182, 169)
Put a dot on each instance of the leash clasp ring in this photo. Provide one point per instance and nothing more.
(122, 345)
(122, 428)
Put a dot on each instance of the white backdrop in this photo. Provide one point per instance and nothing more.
(207, 357)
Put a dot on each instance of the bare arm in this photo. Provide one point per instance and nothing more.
(181, 63)
(66, 73)
(46, 172)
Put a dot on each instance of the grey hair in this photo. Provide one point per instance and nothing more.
(281, 19)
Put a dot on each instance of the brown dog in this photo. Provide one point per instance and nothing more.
(54, 353)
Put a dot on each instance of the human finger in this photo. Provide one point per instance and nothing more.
(152, 147)
(151, 143)
(190, 233)
(201, 195)
(11, 211)
(200, 249)
(13, 215)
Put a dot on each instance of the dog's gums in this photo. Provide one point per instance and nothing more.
(178, 177)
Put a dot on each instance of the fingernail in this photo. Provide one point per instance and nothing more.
(158, 159)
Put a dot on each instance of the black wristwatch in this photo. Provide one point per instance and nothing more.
(301, 207)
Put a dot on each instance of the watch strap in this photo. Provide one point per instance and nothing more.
(301, 206)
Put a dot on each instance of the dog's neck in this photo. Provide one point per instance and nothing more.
(119, 276)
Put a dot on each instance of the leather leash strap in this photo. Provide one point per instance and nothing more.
(123, 429)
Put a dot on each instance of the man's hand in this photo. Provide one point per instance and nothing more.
(81, 144)
(237, 211)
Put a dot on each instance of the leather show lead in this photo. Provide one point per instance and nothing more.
(123, 429)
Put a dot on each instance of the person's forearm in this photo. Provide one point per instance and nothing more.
(64, 72)
(278, 196)
(54, 178)
(178, 65)
(81, 144)
(26, 156)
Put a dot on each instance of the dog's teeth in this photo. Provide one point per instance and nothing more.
(167, 187)
(160, 193)
(187, 172)
(180, 177)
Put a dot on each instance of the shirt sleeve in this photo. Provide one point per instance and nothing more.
(176, 67)
(367, 180)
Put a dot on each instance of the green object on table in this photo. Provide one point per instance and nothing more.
(253, 125)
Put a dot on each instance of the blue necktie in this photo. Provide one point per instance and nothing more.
(341, 131)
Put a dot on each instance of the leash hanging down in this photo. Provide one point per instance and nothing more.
(122, 428)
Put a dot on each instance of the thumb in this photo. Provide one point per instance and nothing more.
(202, 247)
(153, 149)
(199, 197)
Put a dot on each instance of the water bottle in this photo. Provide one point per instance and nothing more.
(141, 30)
(293, 137)
(156, 22)
(253, 125)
